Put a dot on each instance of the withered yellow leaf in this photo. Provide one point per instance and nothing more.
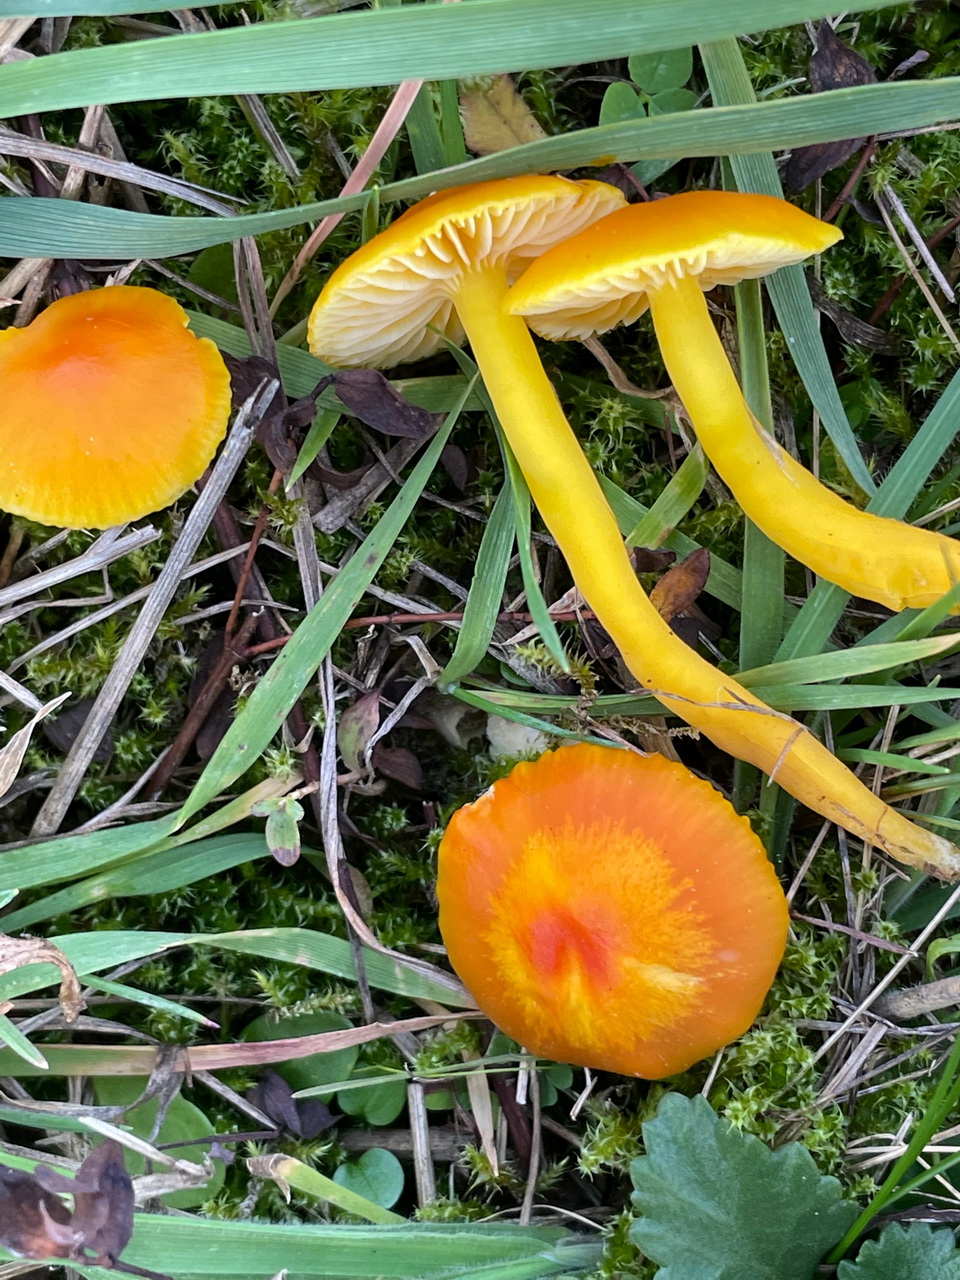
(495, 117)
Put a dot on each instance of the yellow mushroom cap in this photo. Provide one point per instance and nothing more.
(600, 278)
(109, 408)
(394, 300)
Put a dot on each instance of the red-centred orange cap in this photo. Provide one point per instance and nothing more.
(611, 910)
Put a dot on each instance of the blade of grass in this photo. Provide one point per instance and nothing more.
(34, 226)
(485, 598)
(861, 660)
(673, 503)
(14, 1038)
(147, 998)
(423, 131)
(539, 610)
(153, 873)
(91, 953)
(380, 47)
(761, 615)
(294, 1173)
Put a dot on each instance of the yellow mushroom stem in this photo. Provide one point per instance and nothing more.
(885, 560)
(572, 505)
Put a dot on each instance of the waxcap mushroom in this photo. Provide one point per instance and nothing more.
(563, 485)
(719, 237)
(663, 255)
(110, 408)
(611, 910)
(381, 306)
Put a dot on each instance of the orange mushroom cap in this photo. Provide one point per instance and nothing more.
(600, 278)
(109, 408)
(611, 910)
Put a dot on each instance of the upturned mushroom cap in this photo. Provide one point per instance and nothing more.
(611, 910)
(600, 278)
(109, 408)
(381, 307)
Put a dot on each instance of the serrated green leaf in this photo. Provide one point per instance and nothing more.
(621, 102)
(717, 1204)
(916, 1252)
(657, 72)
(377, 1176)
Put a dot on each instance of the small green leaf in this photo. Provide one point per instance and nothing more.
(282, 833)
(377, 1176)
(316, 1068)
(913, 1253)
(621, 102)
(183, 1123)
(378, 1104)
(664, 104)
(656, 72)
(717, 1204)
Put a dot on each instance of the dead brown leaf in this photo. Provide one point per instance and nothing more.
(35, 1222)
(495, 117)
(17, 953)
(834, 65)
(679, 587)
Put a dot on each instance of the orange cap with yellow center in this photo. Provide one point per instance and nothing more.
(611, 910)
(110, 408)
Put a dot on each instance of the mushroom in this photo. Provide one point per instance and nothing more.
(663, 255)
(453, 254)
(612, 910)
(109, 408)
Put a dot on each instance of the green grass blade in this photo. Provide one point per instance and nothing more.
(679, 495)
(153, 873)
(34, 226)
(188, 1246)
(486, 590)
(289, 674)
(539, 610)
(295, 1173)
(761, 616)
(70, 856)
(92, 953)
(845, 663)
(146, 998)
(501, 707)
(451, 126)
(383, 47)
(14, 1039)
(424, 133)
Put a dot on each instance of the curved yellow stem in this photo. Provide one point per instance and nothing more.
(885, 560)
(575, 511)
